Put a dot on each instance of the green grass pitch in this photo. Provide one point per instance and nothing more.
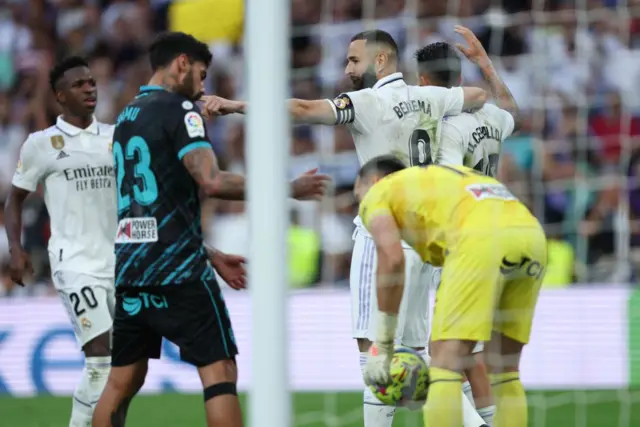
(611, 408)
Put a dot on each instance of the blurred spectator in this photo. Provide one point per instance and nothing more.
(574, 74)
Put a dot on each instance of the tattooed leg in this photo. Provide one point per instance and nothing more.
(123, 383)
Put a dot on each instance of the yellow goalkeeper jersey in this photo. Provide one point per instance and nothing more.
(434, 206)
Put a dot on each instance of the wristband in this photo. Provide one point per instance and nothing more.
(387, 323)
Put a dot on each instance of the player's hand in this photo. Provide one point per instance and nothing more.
(310, 186)
(474, 50)
(376, 370)
(213, 106)
(19, 265)
(231, 269)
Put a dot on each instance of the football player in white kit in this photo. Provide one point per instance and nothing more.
(473, 140)
(385, 116)
(73, 162)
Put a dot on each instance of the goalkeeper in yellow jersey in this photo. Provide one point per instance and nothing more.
(493, 252)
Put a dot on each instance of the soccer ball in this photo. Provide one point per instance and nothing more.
(409, 380)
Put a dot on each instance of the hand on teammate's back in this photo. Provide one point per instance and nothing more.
(231, 269)
(474, 51)
(309, 186)
(20, 264)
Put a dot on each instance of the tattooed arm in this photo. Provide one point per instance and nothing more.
(202, 165)
(203, 168)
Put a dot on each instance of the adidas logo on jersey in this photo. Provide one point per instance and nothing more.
(62, 155)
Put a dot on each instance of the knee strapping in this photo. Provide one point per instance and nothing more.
(219, 390)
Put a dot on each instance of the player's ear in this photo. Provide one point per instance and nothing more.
(183, 63)
(381, 60)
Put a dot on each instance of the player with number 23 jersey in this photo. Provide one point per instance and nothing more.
(159, 241)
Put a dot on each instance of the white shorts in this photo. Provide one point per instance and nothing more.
(89, 302)
(412, 321)
(431, 276)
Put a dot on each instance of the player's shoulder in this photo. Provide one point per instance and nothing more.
(49, 136)
(496, 114)
(170, 102)
(106, 128)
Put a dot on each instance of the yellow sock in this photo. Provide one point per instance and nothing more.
(444, 404)
(511, 400)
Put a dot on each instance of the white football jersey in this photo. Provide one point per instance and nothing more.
(395, 118)
(475, 139)
(75, 168)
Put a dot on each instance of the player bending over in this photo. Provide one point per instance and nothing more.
(384, 116)
(473, 140)
(493, 254)
(165, 286)
(72, 160)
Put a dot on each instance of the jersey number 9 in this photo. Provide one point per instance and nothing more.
(420, 148)
(143, 182)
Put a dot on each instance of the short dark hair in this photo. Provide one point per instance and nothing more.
(169, 45)
(378, 36)
(62, 67)
(382, 165)
(440, 62)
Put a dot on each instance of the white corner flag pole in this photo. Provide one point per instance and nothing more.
(268, 138)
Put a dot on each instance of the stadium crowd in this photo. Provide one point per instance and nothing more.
(576, 73)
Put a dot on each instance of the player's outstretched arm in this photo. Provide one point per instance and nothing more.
(20, 262)
(202, 165)
(319, 111)
(203, 168)
(478, 55)
(301, 110)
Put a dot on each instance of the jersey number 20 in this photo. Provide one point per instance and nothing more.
(145, 188)
(420, 148)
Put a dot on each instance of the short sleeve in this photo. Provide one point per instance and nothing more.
(31, 168)
(358, 109)
(375, 203)
(189, 130)
(448, 101)
(452, 147)
(503, 117)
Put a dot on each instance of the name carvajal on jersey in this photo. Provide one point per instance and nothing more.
(137, 230)
(90, 177)
(481, 133)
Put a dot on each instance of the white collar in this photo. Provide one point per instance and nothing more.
(71, 130)
(389, 79)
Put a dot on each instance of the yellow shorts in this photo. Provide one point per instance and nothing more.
(490, 281)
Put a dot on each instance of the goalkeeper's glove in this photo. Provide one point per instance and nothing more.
(376, 370)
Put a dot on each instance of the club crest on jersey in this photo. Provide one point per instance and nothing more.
(341, 102)
(490, 191)
(110, 147)
(194, 124)
(57, 142)
(19, 166)
(137, 230)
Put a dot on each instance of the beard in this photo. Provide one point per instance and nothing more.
(187, 88)
(366, 80)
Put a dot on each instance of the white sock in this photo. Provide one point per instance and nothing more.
(469, 415)
(88, 391)
(487, 414)
(376, 414)
(466, 389)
